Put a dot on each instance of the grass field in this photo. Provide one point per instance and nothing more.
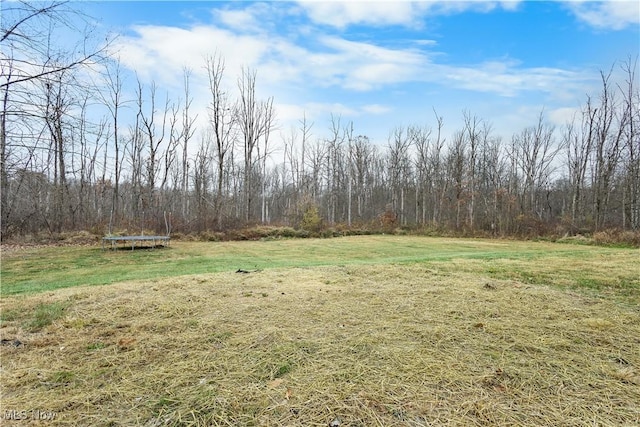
(359, 331)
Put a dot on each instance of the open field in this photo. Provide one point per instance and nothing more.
(605, 269)
(376, 330)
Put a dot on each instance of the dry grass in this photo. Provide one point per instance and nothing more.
(386, 345)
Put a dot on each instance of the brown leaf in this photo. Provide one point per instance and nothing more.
(125, 343)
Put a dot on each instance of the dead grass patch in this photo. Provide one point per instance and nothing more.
(364, 345)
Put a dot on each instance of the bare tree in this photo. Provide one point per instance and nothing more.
(361, 161)
(26, 46)
(57, 105)
(221, 120)
(188, 129)
(334, 166)
(316, 160)
(296, 153)
(421, 140)
(92, 139)
(472, 133)
(631, 106)
(455, 163)
(269, 117)
(436, 168)
(255, 119)
(6, 70)
(399, 169)
(534, 150)
(579, 142)
(170, 153)
(201, 181)
(28, 60)
(610, 124)
(134, 148)
(114, 103)
(154, 134)
(491, 186)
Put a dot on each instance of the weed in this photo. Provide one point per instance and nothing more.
(96, 346)
(45, 314)
(10, 315)
(61, 378)
(219, 337)
(163, 404)
(589, 283)
(278, 370)
(282, 370)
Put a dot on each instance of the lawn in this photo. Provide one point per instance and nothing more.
(358, 331)
(26, 271)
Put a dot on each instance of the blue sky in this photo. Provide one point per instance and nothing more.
(384, 64)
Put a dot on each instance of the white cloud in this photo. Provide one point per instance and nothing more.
(508, 79)
(561, 116)
(511, 5)
(341, 14)
(614, 15)
(289, 113)
(238, 19)
(364, 66)
(320, 111)
(344, 13)
(252, 18)
(160, 53)
(319, 74)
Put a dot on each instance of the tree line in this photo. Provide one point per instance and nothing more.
(78, 153)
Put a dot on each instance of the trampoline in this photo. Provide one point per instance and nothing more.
(113, 241)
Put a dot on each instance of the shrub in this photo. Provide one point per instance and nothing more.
(311, 220)
(388, 218)
(80, 237)
(210, 236)
(617, 237)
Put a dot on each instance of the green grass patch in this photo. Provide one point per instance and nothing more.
(96, 346)
(36, 270)
(10, 315)
(61, 378)
(45, 314)
(36, 317)
(279, 370)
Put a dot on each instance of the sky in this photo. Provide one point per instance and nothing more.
(383, 64)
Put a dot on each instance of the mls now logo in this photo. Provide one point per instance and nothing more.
(36, 414)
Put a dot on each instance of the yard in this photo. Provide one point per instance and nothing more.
(358, 331)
